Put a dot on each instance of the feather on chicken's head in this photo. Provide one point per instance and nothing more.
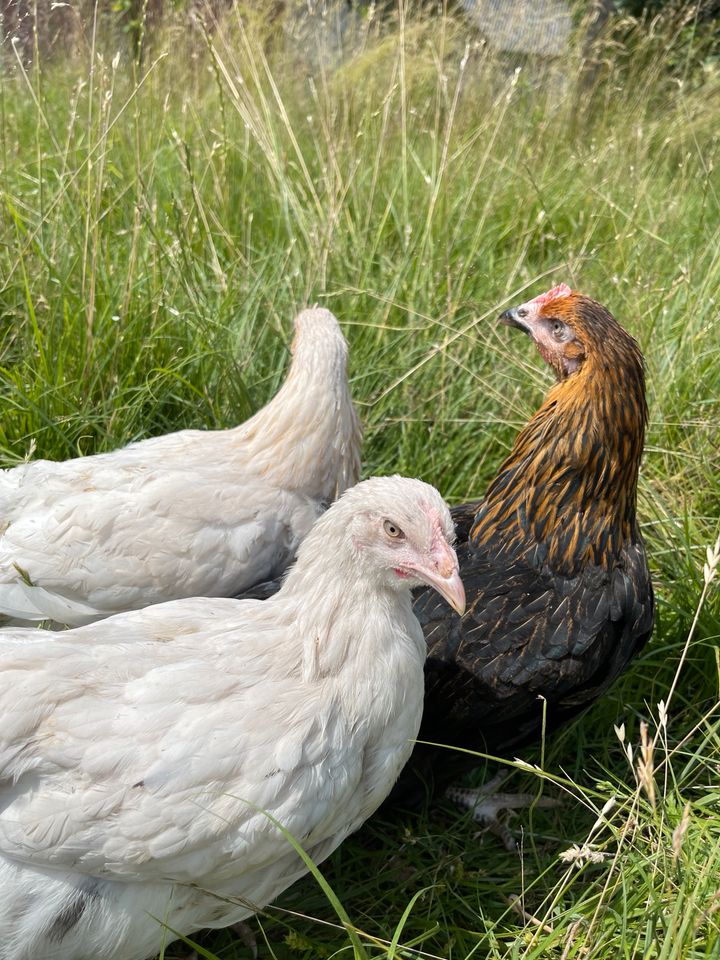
(573, 332)
(399, 531)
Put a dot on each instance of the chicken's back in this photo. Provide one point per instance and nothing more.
(176, 516)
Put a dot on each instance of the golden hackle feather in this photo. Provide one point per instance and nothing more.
(582, 449)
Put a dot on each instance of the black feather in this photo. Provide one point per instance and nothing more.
(72, 910)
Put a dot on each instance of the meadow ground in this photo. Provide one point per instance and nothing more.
(161, 221)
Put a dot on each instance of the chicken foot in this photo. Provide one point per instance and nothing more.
(486, 803)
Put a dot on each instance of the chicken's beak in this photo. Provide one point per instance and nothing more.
(442, 574)
(453, 591)
(517, 317)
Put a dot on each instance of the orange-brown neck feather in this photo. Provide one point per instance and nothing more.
(568, 489)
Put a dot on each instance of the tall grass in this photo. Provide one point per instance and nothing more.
(163, 219)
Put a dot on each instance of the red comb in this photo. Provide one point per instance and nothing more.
(562, 290)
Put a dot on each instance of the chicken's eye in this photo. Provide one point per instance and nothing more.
(558, 329)
(393, 530)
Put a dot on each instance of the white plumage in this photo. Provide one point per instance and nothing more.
(193, 513)
(138, 753)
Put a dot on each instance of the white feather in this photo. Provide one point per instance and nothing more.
(139, 755)
(194, 513)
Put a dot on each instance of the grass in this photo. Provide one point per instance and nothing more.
(163, 220)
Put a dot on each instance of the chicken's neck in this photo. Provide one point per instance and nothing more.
(363, 647)
(566, 495)
(364, 622)
(308, 437)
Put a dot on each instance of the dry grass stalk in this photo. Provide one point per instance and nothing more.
(713, 559)
(516, 904)
(570, 940)
(679, 834)
(646, 764)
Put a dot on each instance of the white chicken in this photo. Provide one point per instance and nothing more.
(140, 756)
(193, 513)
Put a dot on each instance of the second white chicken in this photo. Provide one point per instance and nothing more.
(192, 513)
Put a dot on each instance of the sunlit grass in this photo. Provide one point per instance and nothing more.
(162, 221)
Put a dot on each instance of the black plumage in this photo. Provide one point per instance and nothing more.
(559, 593)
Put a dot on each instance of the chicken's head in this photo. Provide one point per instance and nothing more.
(548, 319)
(403, 529)
(572, 331)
